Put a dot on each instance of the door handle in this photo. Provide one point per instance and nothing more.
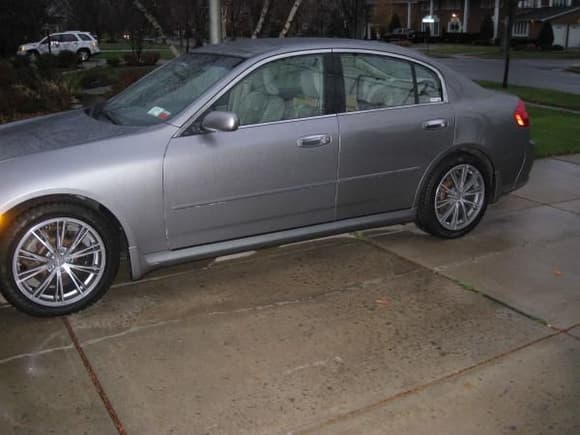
(314, 141)
(435, 124)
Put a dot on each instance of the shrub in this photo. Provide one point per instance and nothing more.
(486, 29)
(67, 59)
(150, 58)
(131, 59)
(46, 62)
(94, 78)
(546, 36)
(114, 61)
(127, 78)
(403, 43)
(21, 62)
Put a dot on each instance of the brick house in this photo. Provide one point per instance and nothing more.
(466, 16)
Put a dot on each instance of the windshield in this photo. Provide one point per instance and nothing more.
(165, 92)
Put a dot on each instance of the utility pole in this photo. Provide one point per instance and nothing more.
(215, 21)
(511, 6)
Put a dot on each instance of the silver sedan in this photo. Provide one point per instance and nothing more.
(243, 145)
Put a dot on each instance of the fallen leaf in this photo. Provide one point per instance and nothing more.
(383, 301)
(557, 272)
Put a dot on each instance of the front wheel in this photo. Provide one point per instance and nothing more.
(455, 197)
(57, 259)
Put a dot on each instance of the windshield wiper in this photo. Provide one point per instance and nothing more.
(99, 109)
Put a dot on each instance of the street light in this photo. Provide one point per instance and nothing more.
(214, 21)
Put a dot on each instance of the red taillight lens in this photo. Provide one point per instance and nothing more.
(521, 115)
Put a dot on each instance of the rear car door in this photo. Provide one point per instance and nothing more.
(276, 172)
(395, 120)
(69, 42)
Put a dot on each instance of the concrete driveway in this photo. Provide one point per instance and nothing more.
(384, 331)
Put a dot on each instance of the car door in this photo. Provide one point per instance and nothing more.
(395, 121)
(277, 171)
(69, 42)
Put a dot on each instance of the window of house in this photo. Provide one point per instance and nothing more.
(284, 89)
(521, 29)
(560, 3)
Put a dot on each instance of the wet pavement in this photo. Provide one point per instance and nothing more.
(383, 331)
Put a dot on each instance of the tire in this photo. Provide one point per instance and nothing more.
(56, 259)
(84, 55)
(441, 196)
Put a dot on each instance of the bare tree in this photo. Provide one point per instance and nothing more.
(263, 13)
(290, 18)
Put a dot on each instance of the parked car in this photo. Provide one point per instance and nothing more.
(243, 145)
(403, 34)
(82, 43)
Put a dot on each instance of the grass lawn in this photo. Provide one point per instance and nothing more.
(555, 132)
(493, 52)
(537, 95)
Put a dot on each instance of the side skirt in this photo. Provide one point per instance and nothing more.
(141, 264)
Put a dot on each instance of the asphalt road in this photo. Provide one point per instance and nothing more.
(388, 331)
(538, 73)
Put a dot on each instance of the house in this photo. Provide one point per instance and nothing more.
(466, 16)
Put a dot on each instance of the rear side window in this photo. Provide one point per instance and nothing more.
(374, 82)
(429, 88)
(68, 37)
(84, 37)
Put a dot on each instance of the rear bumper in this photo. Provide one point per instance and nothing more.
(522, 176)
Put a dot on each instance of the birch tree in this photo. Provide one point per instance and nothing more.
(290, 18)
(263, 13)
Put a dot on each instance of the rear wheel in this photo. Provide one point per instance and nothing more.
(455, 197)
(57, 259)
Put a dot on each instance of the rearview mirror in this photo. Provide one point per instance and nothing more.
(220, 121)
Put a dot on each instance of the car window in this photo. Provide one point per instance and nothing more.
(374, 82)
(56, 38)
(168, 90)
(84, 37)
(429, 88)
(284, 89)
(69, 37)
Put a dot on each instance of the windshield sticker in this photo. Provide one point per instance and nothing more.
(159, 112)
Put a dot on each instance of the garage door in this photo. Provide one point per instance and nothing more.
(574, 37)
(559, 34)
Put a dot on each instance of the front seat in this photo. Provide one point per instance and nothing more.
(262, 104)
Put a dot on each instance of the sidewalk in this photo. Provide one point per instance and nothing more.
(386, 331)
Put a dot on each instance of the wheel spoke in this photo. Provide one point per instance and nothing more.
(81, 234)
(59, 292)
(456, 181)
(89, 269)
(463, 210)
(444, 202)
(60, 234)
(80, 286)
(31, 273)
(43, 239)
(23, 254)
(89, 250)
(454, 220)
(447, 214)
(463, 177)
(45, 284)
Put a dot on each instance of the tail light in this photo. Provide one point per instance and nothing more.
(521, 115)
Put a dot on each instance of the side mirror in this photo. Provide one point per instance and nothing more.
(220, 121)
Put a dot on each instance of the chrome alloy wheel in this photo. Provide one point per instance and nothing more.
(59, 262)
(459, 197)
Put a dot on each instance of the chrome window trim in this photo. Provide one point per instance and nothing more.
(241, 77)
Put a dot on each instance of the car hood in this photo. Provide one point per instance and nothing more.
(53, 132)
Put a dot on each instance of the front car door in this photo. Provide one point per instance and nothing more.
(276, 172)
(395, 121)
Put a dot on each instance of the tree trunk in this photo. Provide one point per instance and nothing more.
(507, 41)
(290, 18)
(262, 18)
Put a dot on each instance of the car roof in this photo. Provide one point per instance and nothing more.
(249, 48)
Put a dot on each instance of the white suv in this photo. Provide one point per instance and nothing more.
(82, 43)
